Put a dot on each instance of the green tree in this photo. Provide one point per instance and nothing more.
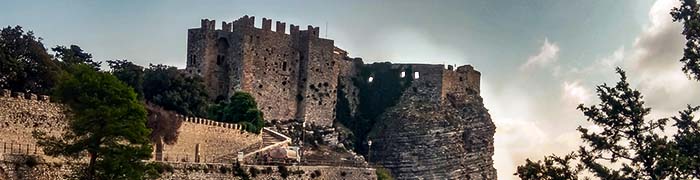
(75, 55)
(552, 168)
(129, 73)
(166, 86)
(688, 13)
(25, 65)
(240, 108)
(106, 121)
(628, 146)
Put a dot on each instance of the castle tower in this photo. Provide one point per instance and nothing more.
(291, 76)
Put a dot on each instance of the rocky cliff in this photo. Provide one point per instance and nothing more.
(419, 139)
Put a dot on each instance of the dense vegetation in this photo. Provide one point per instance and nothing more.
(241, 108)
(106, 121)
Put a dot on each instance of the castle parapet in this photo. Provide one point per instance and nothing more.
(6, 93)
(208, 24)
(207, 122)
(267, 24)
(280, 27)
(228, 27)
(245, 21)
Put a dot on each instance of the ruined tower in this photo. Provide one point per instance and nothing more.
(291, 75)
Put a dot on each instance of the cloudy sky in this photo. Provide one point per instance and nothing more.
(538, 59)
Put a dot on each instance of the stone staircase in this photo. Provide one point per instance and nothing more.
(270, 139)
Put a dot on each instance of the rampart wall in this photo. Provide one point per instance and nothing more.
(203, 140)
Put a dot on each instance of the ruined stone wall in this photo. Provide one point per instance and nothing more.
(291, 76)
(217, 142)
(463, 80)
(348, 71)
(20, 114)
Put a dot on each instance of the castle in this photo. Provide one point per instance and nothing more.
(296, 75)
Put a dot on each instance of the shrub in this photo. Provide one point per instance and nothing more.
(284, 173)
(383, 174)
(254, 171)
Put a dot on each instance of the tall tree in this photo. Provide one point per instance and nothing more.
(168, 87)
(688, 13)
(106, 121)
(25, 65)
(75, 55)
(628, 145)
(240, 108)
(129, 73)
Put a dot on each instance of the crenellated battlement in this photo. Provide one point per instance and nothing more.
(249, 22)
(208, 122)
(6, 93)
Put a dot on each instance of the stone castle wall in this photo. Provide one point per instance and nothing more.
(291, 76)
(21, 114)
(215, 142)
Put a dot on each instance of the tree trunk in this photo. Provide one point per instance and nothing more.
(91, 167)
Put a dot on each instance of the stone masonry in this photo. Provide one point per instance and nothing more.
(291, 76)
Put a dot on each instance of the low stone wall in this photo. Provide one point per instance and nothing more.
(22, 167)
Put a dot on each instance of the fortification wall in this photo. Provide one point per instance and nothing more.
(463, 80)
(20, 114)
(214, 141)
(319, 80)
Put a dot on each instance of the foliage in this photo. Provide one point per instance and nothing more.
(240, 172)
(75, 55)
(552, 168)
(383, 174)
(129, 73)
(240, 108)
(167, 87)
(688, 13)
(284, 172)
(106, 121)
(626, 145)
(25, 66)
(253, 171)
(164, 124)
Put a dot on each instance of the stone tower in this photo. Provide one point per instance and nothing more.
(291, 75)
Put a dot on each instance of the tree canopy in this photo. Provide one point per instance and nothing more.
(106, 121)
(25, 66)
(240, 108)
(628, 144)
(688, 13)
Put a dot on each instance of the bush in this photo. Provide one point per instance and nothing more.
(224, 169)
(253, 171)
(284, 173)
(31, 161)
(383, 174)
(316, 173)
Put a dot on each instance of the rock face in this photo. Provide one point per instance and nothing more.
(450, 140)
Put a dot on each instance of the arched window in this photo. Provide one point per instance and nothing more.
(403, 74)
(370, 79)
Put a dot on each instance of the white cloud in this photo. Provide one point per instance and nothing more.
(547, 55)
(573, 93)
